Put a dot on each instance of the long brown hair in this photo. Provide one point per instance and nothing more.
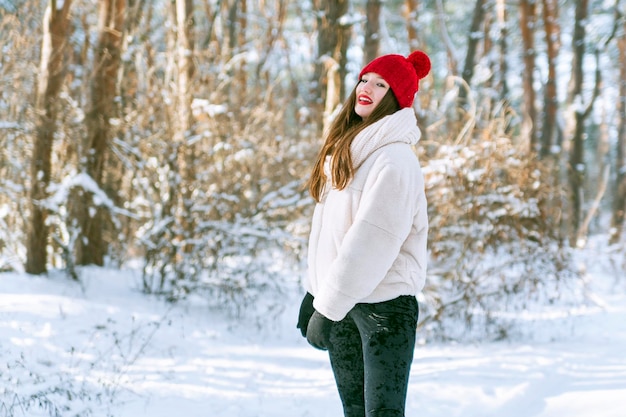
(342, 131)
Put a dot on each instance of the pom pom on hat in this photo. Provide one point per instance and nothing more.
(402, 74)
(420, 62)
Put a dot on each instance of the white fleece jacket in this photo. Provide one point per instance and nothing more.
(368, 241)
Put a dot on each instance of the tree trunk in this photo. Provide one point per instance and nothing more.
(619, 187)
(411, 18)
(528, 22)
(186, 70)
(90, 216)
(576, 156)
(138, 14)
(502, 19)
(372, 30)
(472, 47)
(237, 24)
(52, 72)
(601, 163)
(447, 40)
(550, 99)
(332, 45)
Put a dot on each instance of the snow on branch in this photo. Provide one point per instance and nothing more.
(60, 194)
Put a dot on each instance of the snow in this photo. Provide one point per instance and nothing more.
(200, 106)
(102, 348)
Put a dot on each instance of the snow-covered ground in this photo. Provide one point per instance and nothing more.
(104, 349)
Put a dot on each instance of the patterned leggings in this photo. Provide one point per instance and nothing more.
(371, 356)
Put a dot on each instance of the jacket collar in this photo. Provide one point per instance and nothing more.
(399, 127)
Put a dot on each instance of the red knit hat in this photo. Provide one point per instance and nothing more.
(402, 74)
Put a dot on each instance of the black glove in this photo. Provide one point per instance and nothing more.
(318, 332)
(306, 311)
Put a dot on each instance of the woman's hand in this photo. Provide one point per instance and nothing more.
(318, 331)
(306, 311)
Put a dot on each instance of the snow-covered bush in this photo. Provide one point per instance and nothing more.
(25, 391)
(248, 210)
(493, 240)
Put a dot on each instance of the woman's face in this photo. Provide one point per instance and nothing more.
(369, 92)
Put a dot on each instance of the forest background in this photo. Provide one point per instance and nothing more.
(177, 137)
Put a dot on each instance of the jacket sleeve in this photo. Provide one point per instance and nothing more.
(372, 243)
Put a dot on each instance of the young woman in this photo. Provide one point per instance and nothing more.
(367, 247)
